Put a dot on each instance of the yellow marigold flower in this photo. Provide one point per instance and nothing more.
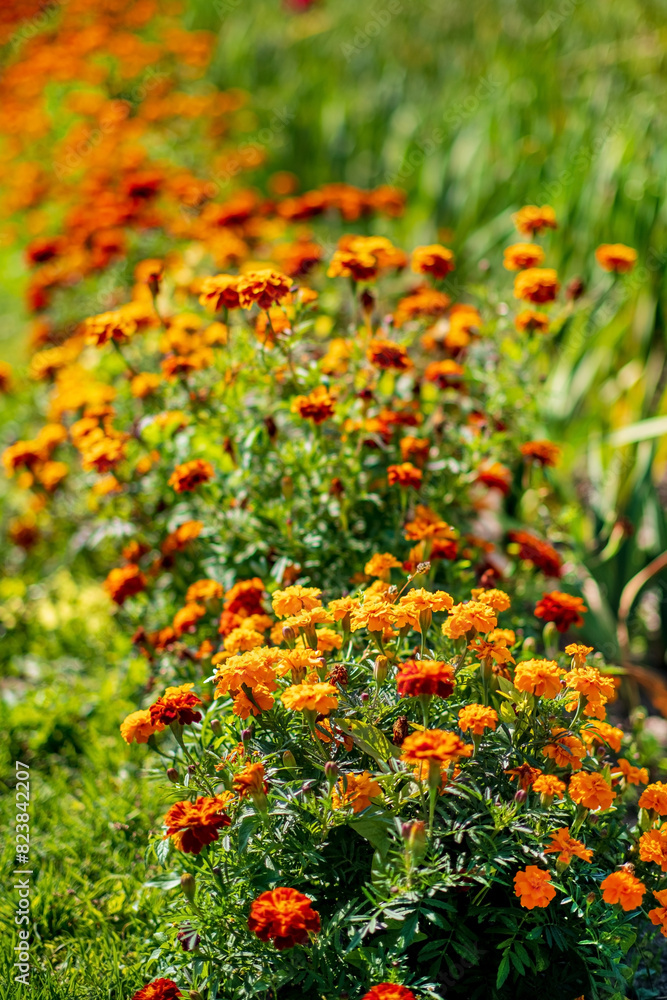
(522, 255)
(538, 677)
(319, 697)
(591, 791)
(114, 325)
(318, 406)
(252, 668)
(578, 653)
(381, 564)
(294, 599)
(375, 615)
(438, 745)
(596, 688)
(433, 259)
(536, 284)
(144, 384)
(549, 786)
(242, 639)
(356, 790)
(469, 617)
(328, 640)
(263, 287)
(566, 750)
(137, 727)
(531, 219)
(204, 590)
(616, 257)
(567, 847)
(477, 718)
(417, 606)
(245, 706)
(218, 291)
(529, 319)
(496, 599)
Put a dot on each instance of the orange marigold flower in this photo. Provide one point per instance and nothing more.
(176, 705)
(381, 565)
(180, 538)
(375, 614)
(204, 590)
(284, 916)
(654, 797)
(189, 475)
(496, 599)
(137, 727)
(542, 452)
(124, 582)
(522, 255)
(567, 847)
(529, 319)
(405, 475)
(495, 650)
(250, 781)
(186, 618)
(219, 291)
(658, 915)
(531, 219)
(433, 259)
(429, 677)
(434, 745)
(445, 374)
(469, 617)
(415, 448)
(537, 285)
(616, 257)
(549, 786)
(245, 597)
(538, 677)
(318, 406)
(159, 989)
(385, 353)
(495, 476)
(578, 652)
(245, 705)
(294, 599)
(566, 750)
(540, 553)
(5, 376)
(477, 718)
(144, 384)
(115, 325)
(633, 775)
(533, 888)
(355, 790)
(624, 888)
(602, 732)
(591, 791)
(525, 774)
(562, 609)
(653, 846)
(263, 287)
(193, 825)
(319, 697)
(389, 991)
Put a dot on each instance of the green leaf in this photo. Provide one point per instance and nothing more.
(503, 970)
(369, 739)
(374, 826)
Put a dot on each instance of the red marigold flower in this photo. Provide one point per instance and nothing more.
(445, 374)
(543, 452)
(433, 259)
(176, 705)
(189, 475)
(533, 888)
(562, 609)
(537, 285)
(529, 319)
(385, 353)
(417, 677)
(495, 476)
(263, 287)
(124, 582)
(540, 553)
(389, 991)
(405, 475)
(284, 916)
(159, 989)
(218, 291)
(318, 406)
(522, 255)
(616, 257)
(193, 825)
(531, 219)
(624, 888)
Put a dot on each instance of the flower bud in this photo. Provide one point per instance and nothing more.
(400, 730)
(332, 772)
(364, 696)
(173, 774)
(289, 760)
(188, 885)
(246, 734)
(309, 787)
(195, 995)
(192, 768)
(521, 795)
(289, 635)
(380, 669)
(216, 728)
(414, 835)
(529, 645)
(425, 619)
(550, 638)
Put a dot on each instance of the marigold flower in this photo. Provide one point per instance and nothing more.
(562, 609)
(375, 614)
(522, 255)
(425, 677)
(469, 617)
(243, 638)
(653, 846)
(496, 650)
(385, 353)
(536, 284)
(263, 287)
(567, 847)
(525, 774)
(124, 582)
(144, 384)
(294, 599)
(591, 791)
(530, 320)
(633, 775)
(358, 265)
(542, 452)
(159, 989)
(434, 745)
(355, 790)
(250, 781)
(624, 888)
(445, 374)
(540, 553)
(616, 257)
(405, 475)
(549, 786)
(381, 564)
(5, 376)
(578, 652)
(477, 718)
(284, 916)
(433, 259)
(496, 476)
(137, 727)
(261, 701)
(115, 325)
(310, 697)
(496, 599)
(176, 705)
(602, 732)
(654, 797)
(318, 406)
(204, 590)
(389, 991)
(538, 677)
(658, 915)
(193, 825)
(190, 475)
(532, 887)
(531, 219)
(180, 538)
(220, 291)
(567, 750)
